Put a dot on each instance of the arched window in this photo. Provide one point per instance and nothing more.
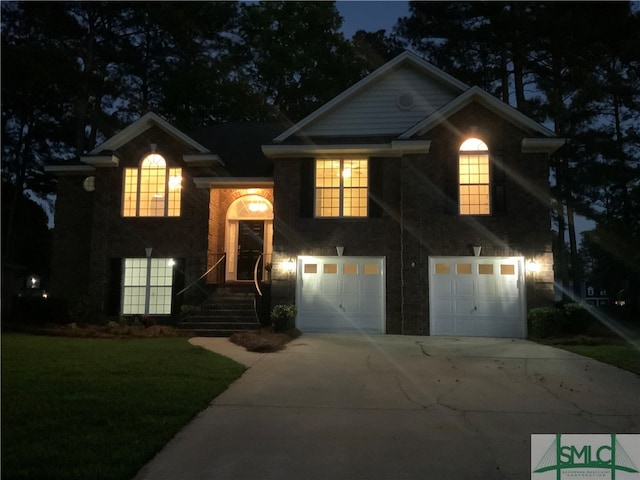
(153, 190)
(473, 178)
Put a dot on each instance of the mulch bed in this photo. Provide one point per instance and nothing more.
(101, 331)
(264, 340)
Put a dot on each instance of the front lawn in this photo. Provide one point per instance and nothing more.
(77, 408)
(624, 356)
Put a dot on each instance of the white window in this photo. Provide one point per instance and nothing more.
(147, 286)
(341, 187)
(473, 177)
(153, 190)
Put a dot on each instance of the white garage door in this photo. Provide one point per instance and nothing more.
(341, 294)
(477, 296)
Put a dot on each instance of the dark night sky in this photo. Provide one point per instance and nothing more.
(370, 15)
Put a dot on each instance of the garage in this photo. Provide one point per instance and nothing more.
(340, 294)
(477, 296)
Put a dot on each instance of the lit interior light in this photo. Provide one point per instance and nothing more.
(175, 182)
(256, 207)
(346, 173)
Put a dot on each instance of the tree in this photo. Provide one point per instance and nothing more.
(374, 49)
(484, 44)
(607, 178)
(296, 55)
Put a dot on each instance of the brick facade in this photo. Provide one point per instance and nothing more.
(417, 222)
(91, 235)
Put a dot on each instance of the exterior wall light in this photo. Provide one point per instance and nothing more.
(290, 265)
(340, 250)
(532, 266)
(33, 281)
(476, 250)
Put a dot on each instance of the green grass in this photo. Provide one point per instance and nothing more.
(77, 408)
(623, 356)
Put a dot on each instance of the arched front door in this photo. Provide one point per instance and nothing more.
(249, 234)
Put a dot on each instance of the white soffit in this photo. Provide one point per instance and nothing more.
(476, 94)
(405, 57)
(69, 169)
(101, 161)
(233, 182)
(396, 148)
(140, 126)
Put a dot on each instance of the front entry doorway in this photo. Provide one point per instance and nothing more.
(248, 237)
(250, 247)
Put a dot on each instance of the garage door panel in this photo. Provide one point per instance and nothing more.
(346, 294)
(463, 306)
(370, 285)
(351, 285)
(442, 307)
(444, 286)
(477, 296)
(486, 287)
(463, 287)
(329, 286)
(499, 307)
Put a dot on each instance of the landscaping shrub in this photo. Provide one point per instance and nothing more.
(39, 311)
(543, 321)
(568, 319)
(283, 317)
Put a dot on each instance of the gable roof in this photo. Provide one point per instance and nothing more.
(140, 126)
(476, 94)
(405, 58)
(239, 145)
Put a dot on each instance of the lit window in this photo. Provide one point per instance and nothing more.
(153, 190)
(341, 188)
(474, 178)
(134, 288)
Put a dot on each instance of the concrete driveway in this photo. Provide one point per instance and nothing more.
(395, 407)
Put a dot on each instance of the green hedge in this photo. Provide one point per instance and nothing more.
(568, 319)
(283, 317)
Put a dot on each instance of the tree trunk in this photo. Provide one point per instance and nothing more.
(576, 271)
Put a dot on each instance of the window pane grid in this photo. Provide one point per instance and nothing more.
(153, 190)
(130, 199)
(175, 190)
(341, 188)
(135, 286)
(474, 183)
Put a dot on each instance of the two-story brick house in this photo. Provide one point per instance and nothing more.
(409, 204)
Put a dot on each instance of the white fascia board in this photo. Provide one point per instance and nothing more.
(140, 126)
(233, 182)
(202, 160)
(541, 145)
(396, 148)
(476, 94)
(101, 161)
(406, 56)
(69, 169)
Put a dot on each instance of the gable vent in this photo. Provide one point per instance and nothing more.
(405, 101)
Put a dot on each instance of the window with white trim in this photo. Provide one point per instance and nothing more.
(153, 190)
(147, 286)
(341, 187)
(473, 178)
